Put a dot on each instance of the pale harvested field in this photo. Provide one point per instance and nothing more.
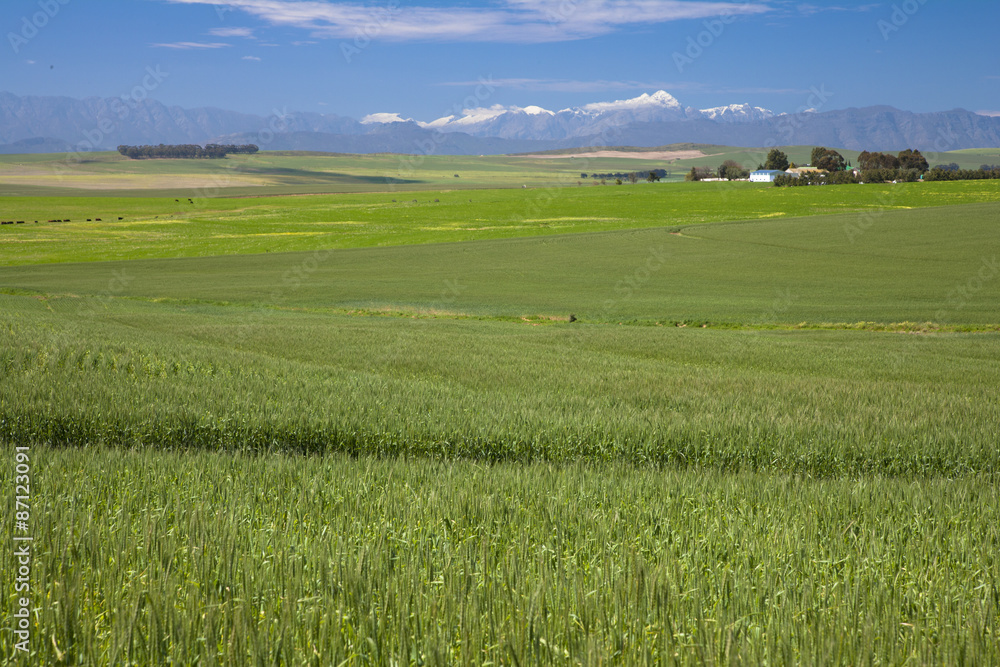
(647, 155)
(132, 181)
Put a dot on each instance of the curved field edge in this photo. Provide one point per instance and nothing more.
(204, 558)
(822, 403)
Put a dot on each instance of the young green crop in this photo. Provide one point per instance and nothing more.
(164, 227)
(146, 557)
(825, 403)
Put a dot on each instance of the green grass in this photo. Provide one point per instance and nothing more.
(150, 557)
(163, 227)
(934, 265)
(285, 173)
(769, 437)
(466, 349)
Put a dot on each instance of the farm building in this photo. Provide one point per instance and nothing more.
(765, 175)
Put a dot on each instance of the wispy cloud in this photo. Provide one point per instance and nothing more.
(232, 32)
(192, 45)
(253, 58)
(809, 10)
(992, 114)
(508, 21)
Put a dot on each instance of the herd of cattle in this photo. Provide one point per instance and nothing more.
(21, 222)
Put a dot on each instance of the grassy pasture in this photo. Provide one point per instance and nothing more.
(255, 443)
(219, 559)
(173, 227)
(898, 266)
(271, 173)
(298, 173)
(822, 403)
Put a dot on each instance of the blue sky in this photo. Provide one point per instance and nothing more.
(426, 58)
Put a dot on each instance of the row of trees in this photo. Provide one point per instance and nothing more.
(954, 167)
(632, 176)
(937, 174)
(185, 151)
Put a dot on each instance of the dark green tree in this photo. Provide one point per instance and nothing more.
(776, 160)
(912, 159)
(829, 159)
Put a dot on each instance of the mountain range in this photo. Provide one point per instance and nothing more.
(32, 124)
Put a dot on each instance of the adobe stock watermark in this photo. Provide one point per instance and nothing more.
(378, 20)
(30, 26)
(962, 294)
(292, 280)
(900, 16)
(432, 144)
(21, 620)
(117, 284)
(697, 44)
(626, 288)
(122, 107)
(276, 124)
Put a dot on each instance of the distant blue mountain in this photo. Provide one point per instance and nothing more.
(34, 124)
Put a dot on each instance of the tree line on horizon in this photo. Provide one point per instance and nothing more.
(177, 151)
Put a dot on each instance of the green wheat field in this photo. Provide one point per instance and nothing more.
(354, 421)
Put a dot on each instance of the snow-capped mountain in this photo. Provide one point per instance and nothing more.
(737, 113)
(536, 123)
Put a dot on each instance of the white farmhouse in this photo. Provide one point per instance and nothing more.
(765, 175)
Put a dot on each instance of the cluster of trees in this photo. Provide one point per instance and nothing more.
(185, 151)
(775, 160)
(632, 176)
(733, 171)
(905, 167)
(816, 178)
(699, 173)
(827, 158)
(908, 159)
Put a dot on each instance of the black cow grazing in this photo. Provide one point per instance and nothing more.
(20, 222)
(98, 220)
(120, 218)
(88, 220)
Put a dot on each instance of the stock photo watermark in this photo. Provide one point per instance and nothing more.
(900, 16)
(32, 25)
(963, 293)
(431, 145)
(378, 20)
(21, 544)
(122, 107)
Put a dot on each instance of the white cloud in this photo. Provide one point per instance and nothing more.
(809, 10)
(992, 114)
(30, 62)
(384, 118)
(192, 45)
(254, 58)
(508, 21)
(232, 32)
